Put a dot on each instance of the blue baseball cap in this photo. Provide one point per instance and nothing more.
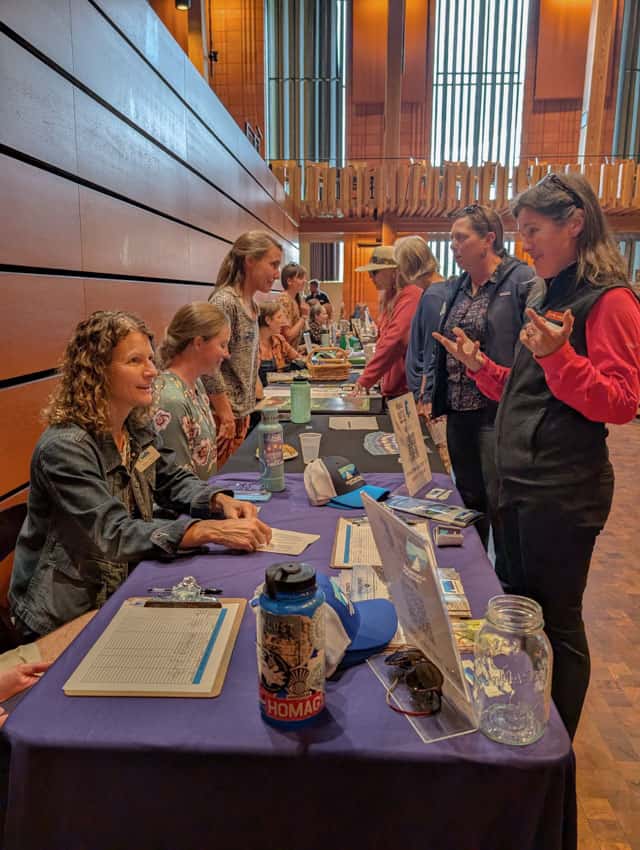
(354, 630)
(336, 481)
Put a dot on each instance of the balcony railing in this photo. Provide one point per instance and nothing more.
(406, 189)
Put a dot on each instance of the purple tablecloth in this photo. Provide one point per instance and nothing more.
(188, 774)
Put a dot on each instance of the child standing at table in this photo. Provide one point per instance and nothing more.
(252, 265)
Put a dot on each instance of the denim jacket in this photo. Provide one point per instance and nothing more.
(79, 539)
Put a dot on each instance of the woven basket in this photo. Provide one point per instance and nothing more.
(336, 369)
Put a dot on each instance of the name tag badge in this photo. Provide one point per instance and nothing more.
(554, 316)
(502, 294)
(148, 457)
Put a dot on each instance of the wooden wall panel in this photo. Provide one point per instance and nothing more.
(36, 107)
(118, 238)
(134, 90)
(39, 217)
(563, 30)
(38, 314)
(114, 155)
(43, 23)
(16, 499)
(369, 49)
(208, 107)
(156, 303)
(20, 427)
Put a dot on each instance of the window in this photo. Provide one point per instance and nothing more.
(479, 66)
(306, 83)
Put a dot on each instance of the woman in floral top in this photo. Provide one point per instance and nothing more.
(196, 342)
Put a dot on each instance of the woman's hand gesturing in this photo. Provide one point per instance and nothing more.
(463, 349)
(543, 338)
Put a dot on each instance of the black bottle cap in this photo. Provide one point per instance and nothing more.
(289, 577)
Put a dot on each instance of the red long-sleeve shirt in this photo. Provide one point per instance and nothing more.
(388, 363)
(603, 387)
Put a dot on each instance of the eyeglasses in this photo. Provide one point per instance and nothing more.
(423, 681)
(557, 181)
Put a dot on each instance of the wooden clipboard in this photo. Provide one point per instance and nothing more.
(160, 652)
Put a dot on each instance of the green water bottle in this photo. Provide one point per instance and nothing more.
(300, 399)
(270, 451)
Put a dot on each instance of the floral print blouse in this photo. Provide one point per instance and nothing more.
(183, 419)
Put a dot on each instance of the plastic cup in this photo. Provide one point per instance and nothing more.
(310, 445)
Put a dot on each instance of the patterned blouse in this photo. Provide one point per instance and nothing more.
(469, 312)
(291, 309)
(237, 376)
(183, 419)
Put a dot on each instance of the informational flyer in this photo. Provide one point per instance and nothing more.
(413, 452)
(410, 569)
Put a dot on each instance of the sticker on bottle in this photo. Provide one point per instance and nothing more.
(273, 451)
(291, 665)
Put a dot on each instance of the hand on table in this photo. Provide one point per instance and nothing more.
(20, 677)
(463, 349)
(357, 391)
(246, 534)
(543, 338)
(234, 508)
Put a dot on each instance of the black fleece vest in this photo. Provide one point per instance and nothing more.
(541, 442)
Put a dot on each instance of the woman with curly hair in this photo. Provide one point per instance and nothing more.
(95, 474)
(196, 343)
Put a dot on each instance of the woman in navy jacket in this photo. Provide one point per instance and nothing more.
(488, 301)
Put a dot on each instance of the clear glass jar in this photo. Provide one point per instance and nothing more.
(513, 663)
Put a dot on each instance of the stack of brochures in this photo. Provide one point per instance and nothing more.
(453, 591)
(447, 514)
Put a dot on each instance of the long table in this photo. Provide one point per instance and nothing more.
(189, 774)
(347, 444)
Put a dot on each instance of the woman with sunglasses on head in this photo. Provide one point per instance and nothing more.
(577, 366)
(252, 265)
(195, 343)
(96, 473)
(487, 301)
(398, 302)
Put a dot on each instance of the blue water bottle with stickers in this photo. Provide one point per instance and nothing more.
(290, 641)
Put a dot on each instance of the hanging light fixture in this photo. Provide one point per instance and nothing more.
(183, 5)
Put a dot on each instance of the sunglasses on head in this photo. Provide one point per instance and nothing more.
(559, 183)
(422, 679)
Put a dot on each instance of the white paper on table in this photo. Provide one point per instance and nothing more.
(353, 423)
(168, 651)
(288, 542)
(355, 544)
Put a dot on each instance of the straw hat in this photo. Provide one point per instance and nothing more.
(382, 258)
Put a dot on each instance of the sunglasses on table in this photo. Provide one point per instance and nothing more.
(422, 679)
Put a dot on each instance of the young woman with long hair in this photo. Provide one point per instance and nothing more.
(252, 265)
(294, 306)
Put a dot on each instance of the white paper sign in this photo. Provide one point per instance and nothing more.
(410, 569)
(413, 452)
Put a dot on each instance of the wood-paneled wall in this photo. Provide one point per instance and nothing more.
(124, 182)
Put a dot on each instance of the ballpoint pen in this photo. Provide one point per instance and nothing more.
(205, 591)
